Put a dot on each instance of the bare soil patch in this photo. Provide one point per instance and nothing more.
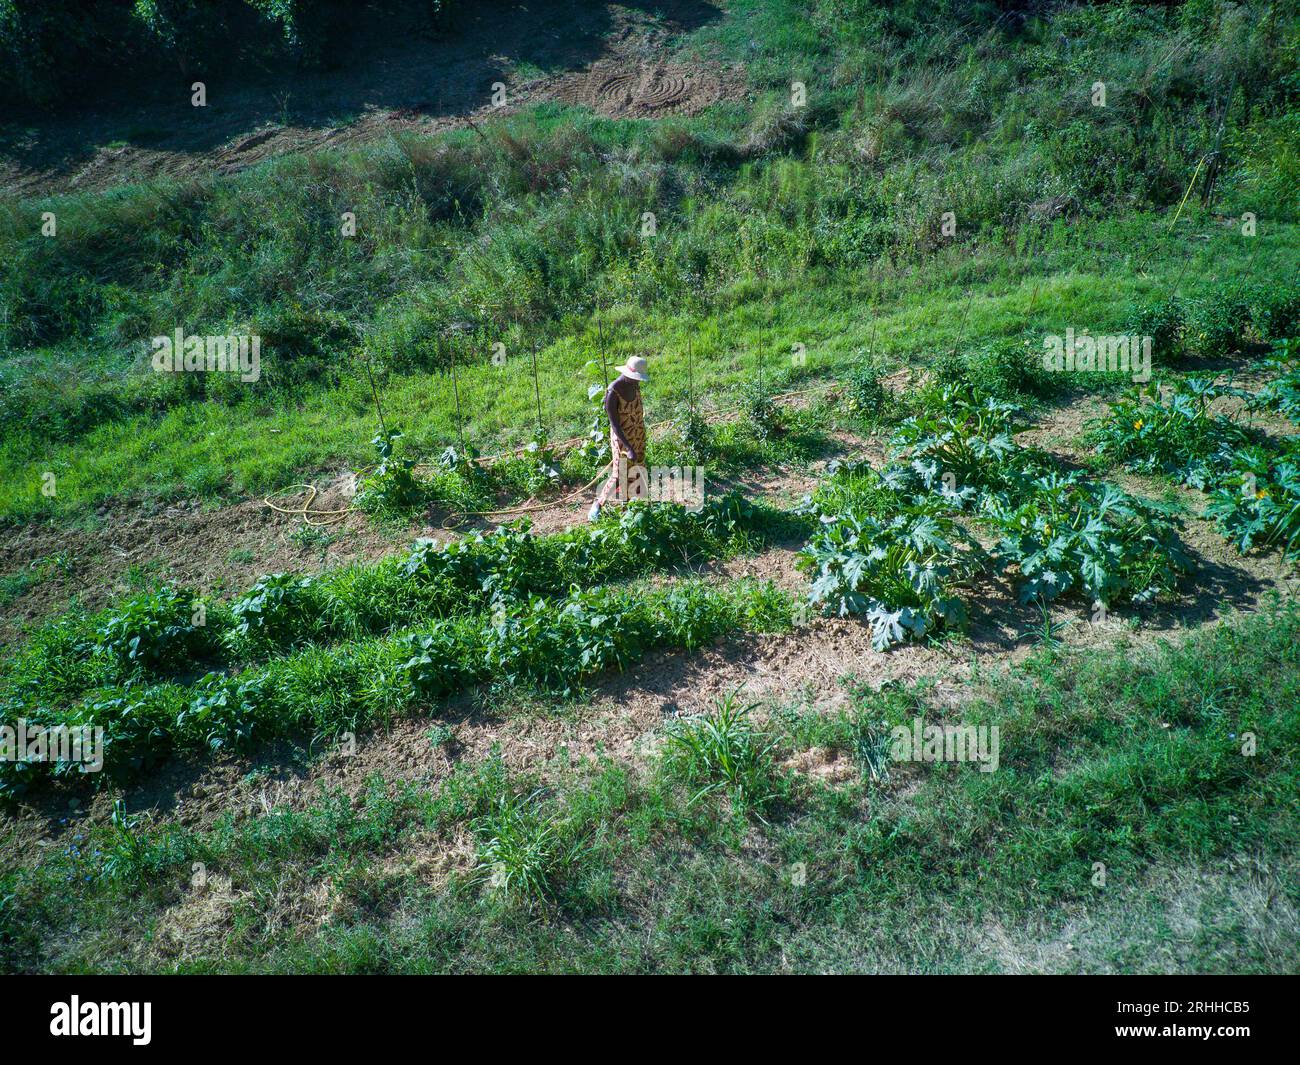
(210, 549)
(393, 77)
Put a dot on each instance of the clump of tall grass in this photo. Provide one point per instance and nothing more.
(721, 750)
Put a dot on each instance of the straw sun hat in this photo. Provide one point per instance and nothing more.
(634, 368)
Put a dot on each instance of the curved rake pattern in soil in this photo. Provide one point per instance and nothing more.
(659, 90)
(652, 91)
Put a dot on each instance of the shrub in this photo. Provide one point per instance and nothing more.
(1003, 369)
(391, 488)
(697, 436)
(47, 46)
(278, 611)
(1276, 313)
(865, 394)
(759, 410)
(1217, 324)
(162, 632)
(1163, 321)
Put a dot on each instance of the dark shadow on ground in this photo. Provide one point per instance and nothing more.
(388, 62)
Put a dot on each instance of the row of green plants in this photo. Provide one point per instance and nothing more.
(458, 480)
(766, 432)
(320, 692)
(890, 545)
(609, 856)
(1281, 394)
(1221, 321)
(1252, 480)
(172, 632)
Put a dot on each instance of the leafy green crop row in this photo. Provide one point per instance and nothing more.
(170, 633)
(1219, 323)
(322, 692)
(890, 547)
(1174, 432)
(1253, 482)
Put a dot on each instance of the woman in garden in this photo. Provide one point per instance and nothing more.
(627, 437)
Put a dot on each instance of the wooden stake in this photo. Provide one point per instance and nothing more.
(460, 422)
(961, 328)
(537, 395)
(604, 366)
(379, 410)
(690, 376)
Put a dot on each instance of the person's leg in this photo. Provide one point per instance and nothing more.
(611, 484)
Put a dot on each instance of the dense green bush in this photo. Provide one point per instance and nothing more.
(1276, 313)
(1163, 320)
(1222, 320)
(1006, 369)
(865, 392)
(1218, 324)
(163, 632)
(759, 411)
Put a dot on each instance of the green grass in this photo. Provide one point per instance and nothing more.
(214, 449)
(775, 224)
(1133, 760)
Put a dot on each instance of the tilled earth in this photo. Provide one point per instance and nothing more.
(622, 714)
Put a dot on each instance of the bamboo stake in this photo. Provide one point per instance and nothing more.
(537, 395)
(460, 421)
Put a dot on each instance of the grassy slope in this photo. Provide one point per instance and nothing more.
(195, 448)
(799, 220)
(1131, 759)
(1132, 763)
